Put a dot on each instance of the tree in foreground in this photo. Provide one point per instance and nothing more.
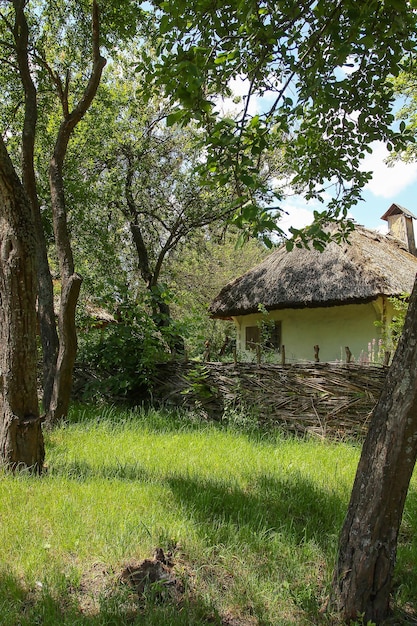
(21, 439)
(53, 51)
(325, 68)
(368, 542)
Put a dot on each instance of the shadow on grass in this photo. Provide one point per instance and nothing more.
(82, 471)
(294, 507)
(23, 606)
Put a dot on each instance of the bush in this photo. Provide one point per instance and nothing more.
(117, 361)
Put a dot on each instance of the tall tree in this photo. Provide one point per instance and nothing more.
(70, 280)
(56, 49)
(48, 331)
(146, 174)
(33, 58)
(21, 439)
(326, 67)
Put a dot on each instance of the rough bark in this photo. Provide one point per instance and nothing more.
(46, 315)
(21, 438)
(67, 349)
(368, 542)
(70, 280)
(143, 257)
(161, 312)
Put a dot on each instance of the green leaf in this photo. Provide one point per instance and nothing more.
(175, 117)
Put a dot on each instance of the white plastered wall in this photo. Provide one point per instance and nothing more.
(331, 328)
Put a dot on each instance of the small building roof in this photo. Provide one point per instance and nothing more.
(397, 209)
(370, 265)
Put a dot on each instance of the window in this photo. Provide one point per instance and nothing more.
(267, 334)
(253, 337)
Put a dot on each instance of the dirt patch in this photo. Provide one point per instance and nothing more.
(236, 619)
(154, 577)
(95, 583)
(163, 578)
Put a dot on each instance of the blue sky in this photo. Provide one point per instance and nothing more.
(390, 183)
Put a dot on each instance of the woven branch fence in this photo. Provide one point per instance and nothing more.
(324, 399)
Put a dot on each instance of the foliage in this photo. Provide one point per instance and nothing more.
(391, 334)
(360, 621)
(266, 328)
(405, 86)
(207, 262)
(139, 193)
(321, 69)
(199, 384)
(121, 356)
(119, 359)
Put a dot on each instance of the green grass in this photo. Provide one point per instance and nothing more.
(253, 520)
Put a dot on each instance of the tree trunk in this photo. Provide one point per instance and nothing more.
(46, 315)
(61, 394)
(70, 289)
(161, 312)
(368, 542)
(70, 280)
(21, 439)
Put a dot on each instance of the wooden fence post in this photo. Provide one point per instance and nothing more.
(282, 355)
(348, 354)
(316, 353)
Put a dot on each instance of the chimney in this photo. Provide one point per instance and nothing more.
(400, 224)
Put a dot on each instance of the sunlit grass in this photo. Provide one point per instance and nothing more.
(254, 517)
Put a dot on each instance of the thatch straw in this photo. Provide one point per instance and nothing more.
(369, 266)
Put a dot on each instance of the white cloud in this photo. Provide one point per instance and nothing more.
(295, 215)
(387, 181)
(240, 87)
(228, 106)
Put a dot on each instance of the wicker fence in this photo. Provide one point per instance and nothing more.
(329, 400)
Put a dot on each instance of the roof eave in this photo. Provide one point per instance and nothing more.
(228, 315)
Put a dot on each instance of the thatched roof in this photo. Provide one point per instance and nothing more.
(369, 266)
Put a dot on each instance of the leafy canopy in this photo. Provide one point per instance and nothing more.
(321, 68)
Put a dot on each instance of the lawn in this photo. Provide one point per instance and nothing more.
(250, 521)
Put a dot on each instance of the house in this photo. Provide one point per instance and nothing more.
(313, 305)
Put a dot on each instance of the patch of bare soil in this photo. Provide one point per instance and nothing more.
(161, 578)
(154, 577)
(234, 619)
(95, 583)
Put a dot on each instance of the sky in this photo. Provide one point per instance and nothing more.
(390, 184)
